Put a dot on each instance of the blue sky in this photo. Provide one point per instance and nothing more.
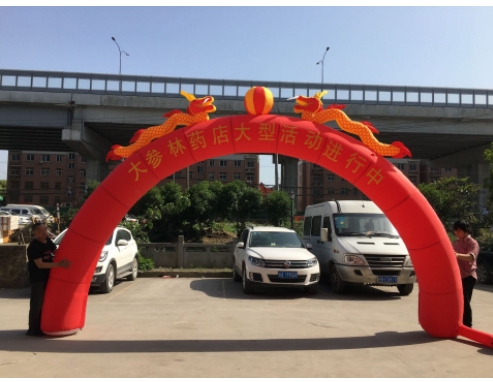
(424, 46)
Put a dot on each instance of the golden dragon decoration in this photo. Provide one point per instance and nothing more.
(197, 111)
(311, 109)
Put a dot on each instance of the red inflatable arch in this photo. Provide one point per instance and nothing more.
(440, 290)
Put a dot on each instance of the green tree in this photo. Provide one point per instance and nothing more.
(240, 201)
(160, 209)
(453, 198)
(278, 206)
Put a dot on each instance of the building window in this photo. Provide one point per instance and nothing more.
(45, 171)
(316, 180)
(448, 169)
(43, 199)
(223, 163)
(400, 166)
(237, 163)
(28, 185)
(82, 160)
(58, 185)
(250, 164)
(237, 176)
(30, 157)
(413, 180)
(179, 175)
(355, 191)
(211, 163)
(222, 176)
(15, 171)
(250, 178)
(29, 171)
(211, 176)
(330, 191)
(44, 185)
(83, 186)
(190, 173)
(344, 191)
(316, 166)
(28, 198)
(70, 179)
(412, 167)
(83, 173)
(316, 191)
(16, 157)
(58, 158)
(343, 180)
(45, 157)
(71, 165)
(331, 177)
(200, 169)
(57, 199)
(58, 172)
(69, 191)
(71, 156)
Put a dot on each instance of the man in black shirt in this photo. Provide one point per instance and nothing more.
(40, 255)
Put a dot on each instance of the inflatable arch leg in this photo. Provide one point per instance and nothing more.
(440, 290)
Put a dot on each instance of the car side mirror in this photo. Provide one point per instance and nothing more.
(240, 245)
(309, 246)
(122, 243)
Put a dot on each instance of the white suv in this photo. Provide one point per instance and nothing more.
(273, 256)
(118, 259)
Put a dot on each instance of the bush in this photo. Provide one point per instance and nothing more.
(145, 264)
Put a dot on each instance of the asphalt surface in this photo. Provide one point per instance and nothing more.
(178, 327)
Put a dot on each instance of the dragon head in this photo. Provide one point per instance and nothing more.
(199, 105)
(313, 104)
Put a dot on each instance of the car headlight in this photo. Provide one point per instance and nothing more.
(103, 256)
(408, 262)
(311, 262)
(354, 260)
(256, 261)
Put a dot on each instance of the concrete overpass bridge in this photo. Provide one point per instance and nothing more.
(88, 112)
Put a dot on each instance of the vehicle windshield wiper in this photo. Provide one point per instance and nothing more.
(384, 234)
(352, 234)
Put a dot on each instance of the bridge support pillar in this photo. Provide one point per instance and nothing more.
(91, 146)
(289, 176)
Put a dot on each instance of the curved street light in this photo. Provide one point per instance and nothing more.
(322, 61)
(121, 51)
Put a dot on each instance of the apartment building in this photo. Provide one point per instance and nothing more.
(225, 169)
(35, 177)
(316, 184)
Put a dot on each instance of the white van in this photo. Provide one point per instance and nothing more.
(355, 243)
(35, 211)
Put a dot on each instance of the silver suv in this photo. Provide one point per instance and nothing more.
(274, 256)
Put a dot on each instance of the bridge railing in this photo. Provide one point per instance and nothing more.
(111, 84)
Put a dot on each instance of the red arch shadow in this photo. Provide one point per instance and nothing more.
(440, 291)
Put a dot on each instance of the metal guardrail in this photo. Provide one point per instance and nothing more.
(111, 84)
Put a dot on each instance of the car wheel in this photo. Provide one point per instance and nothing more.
(312, 289)
(405, 289)
(236, 276)
(247, 284)
(337, 284)
(484, 276)
(135, 270)
(109, 282)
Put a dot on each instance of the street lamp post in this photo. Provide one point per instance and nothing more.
(322, 61)
(121, 51)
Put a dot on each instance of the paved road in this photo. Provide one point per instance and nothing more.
(208, 328)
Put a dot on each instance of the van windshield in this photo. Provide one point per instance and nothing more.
(364, 225)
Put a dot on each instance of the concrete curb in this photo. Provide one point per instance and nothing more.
(185, 274)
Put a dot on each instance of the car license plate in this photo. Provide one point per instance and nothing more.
(387, 279)
(287, 275)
